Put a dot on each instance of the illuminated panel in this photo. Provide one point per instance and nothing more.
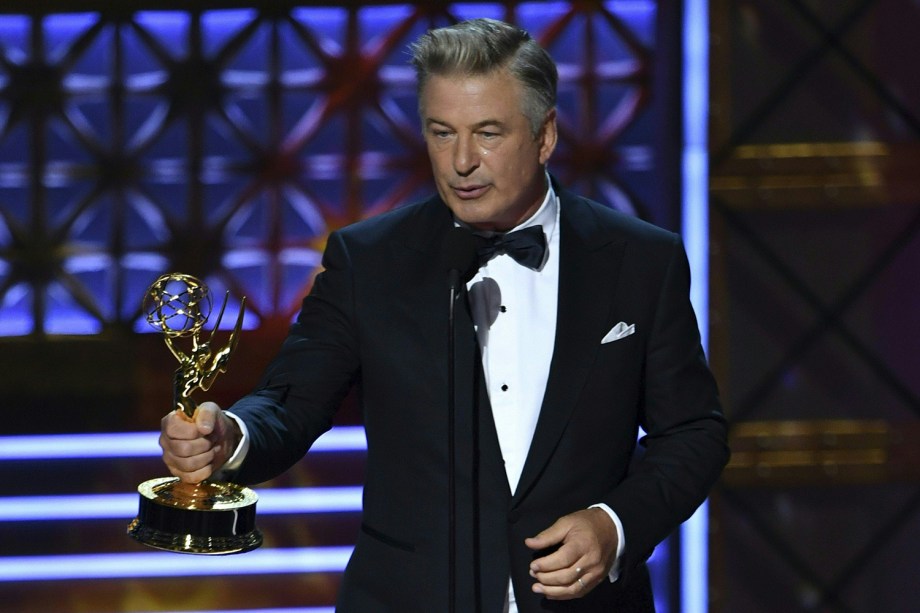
(227, 143)
(167, 564)
(695, 219)
(288, 610)
(139, 444)
(342, 499)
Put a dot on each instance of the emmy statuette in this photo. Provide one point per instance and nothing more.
(210, 517)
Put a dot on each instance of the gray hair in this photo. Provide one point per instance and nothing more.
(482, 46)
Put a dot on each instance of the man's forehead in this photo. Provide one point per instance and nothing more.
(459, 81)
(494, 97)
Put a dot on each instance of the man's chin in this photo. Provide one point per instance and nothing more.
(478, 214)
(469, 212)
(478, 222)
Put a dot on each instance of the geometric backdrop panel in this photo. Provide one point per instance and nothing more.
(228, 142)
(815, 238)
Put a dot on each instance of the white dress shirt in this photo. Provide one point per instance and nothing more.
(514, 312)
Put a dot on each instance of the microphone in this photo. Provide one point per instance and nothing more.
(460, 257)
(461, 261)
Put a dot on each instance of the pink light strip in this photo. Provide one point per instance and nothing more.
(346, 499)
(167, 564)
(137, 444)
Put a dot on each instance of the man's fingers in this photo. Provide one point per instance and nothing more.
(564, 557)
(578, 588)
(191, 461)
(195, 476)
(571, 582)
(563, 577)
(184, 447)
(568, 583)
(583, 558)
(177, 425)
(188, 449)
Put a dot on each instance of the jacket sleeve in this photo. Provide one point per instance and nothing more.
(685, 431)
(306, 382)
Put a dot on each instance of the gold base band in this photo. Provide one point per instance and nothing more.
(211, 518)
(189, 543)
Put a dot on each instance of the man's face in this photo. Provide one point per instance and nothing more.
(488, 166)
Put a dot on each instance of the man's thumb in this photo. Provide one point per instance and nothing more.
(546, 538)
(206, 416)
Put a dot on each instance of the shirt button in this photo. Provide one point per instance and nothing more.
(503, 308)
(505, 388)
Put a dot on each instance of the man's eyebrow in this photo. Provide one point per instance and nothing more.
(476, 126)
(489, 122)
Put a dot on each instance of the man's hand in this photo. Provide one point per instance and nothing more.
(193, 449)
(587, 549)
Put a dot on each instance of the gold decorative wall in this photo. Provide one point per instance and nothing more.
(815, 230)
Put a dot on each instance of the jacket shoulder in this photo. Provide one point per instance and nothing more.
(598, 222)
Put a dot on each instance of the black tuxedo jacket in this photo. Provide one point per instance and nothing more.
(377, 319)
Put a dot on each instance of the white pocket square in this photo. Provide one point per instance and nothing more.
(621, 330)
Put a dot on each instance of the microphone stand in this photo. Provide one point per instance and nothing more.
(459, 254)
(454, 279)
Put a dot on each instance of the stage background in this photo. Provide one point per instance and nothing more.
(226, 139)
(815, 212)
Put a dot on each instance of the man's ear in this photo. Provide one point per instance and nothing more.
(548, 136)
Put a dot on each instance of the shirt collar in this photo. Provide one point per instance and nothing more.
(546, 215)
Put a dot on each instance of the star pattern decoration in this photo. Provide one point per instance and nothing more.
(35, 252)
(228, 143)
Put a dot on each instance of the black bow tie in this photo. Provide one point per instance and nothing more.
(526, 246)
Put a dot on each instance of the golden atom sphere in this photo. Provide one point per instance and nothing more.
(177, 304)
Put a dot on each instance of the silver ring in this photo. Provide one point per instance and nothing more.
(581, 583)
(578, 570)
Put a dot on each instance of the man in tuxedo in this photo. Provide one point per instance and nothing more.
(574, 330)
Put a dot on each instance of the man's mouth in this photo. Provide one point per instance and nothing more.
(469, 192)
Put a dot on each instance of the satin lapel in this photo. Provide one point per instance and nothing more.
(589, 264)
(422, 282)
(426, 284)
(427, 280)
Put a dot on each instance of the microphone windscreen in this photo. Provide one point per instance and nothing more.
(459, 253)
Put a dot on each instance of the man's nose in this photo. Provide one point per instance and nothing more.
(466, 156)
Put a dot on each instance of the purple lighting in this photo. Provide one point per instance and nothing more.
(166, 564)
(124, 506)
(138, 444)
(297, 610)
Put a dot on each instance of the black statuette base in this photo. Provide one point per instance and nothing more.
(216, 528)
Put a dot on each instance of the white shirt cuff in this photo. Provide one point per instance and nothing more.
(239, 454)
(621, 540)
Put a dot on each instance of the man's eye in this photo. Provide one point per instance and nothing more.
(489, 135)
